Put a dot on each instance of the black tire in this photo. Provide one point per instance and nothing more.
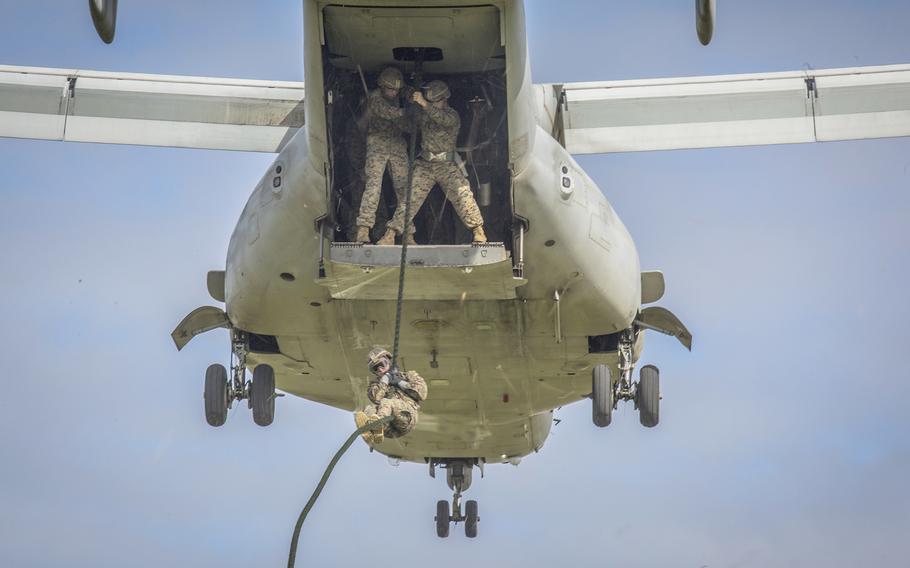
(216, 395)
(602, 396)
(262, 395)
(442, 519)
(470, 519)
(649, 396)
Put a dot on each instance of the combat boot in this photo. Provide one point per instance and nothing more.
(388, 238)
(361, 419)
(479, 235)
(363, 235)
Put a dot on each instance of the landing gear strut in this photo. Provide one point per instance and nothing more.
(606, 393)
(458, 478)
(221, 392)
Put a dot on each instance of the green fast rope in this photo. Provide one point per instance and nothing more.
(325, 477)
(383, 421)
(412, 150)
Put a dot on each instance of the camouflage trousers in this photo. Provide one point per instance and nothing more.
(453, 183)
(374, 169)
(403, 411)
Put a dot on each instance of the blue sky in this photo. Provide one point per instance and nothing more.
(783, 439)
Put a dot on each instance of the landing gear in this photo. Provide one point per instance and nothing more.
(648, 400)
(602, 396)
(221, 392)
(442, 518)
(458, 478)
(606, 394)
(216, 395)
(262, 395)
(470, 519)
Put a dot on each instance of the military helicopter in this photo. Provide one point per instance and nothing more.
(550, 313)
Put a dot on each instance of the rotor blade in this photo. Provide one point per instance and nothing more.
(104, 16)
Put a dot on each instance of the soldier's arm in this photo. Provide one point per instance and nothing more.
(383, 109)
(442, 117)
(377, 390)
(417, 384)
(408, 120)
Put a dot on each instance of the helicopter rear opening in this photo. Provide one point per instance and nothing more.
(462, 47)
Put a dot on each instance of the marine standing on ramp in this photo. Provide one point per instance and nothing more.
(439, 125)
(385, 147)
(393, 394)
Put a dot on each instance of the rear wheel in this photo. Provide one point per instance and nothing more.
(649, 396)
(470, 519)
(262, 395)
(216, 395)
(442, 519)
(602, 396)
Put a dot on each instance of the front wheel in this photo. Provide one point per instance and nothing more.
(442, 519)
(649, 396)
(470, 519)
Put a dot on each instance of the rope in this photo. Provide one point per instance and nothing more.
(412, 150)
(383, 421)
(325, 477)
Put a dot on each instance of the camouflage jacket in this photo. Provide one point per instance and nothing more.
(378, 390)
(386, 123)
(439, 129)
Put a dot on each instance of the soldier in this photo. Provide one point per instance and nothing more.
(393, 394)
(439, 124)
(385, 147)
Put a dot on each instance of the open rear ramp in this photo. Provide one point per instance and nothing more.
(356, 271)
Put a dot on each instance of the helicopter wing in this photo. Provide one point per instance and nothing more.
(731, 110)
(149, 110)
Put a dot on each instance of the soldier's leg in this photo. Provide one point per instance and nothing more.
(398, 167)
(373, 172)
(370, 414)
(363, 418)
(458, 192)
(423, 181)
(404, 418)
(384, 408)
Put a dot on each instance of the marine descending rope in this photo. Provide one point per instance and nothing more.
(382, 421)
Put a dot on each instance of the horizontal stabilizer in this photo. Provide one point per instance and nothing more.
(149, 110)
(733, 110)
(664, 321)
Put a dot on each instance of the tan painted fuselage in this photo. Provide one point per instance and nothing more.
(502, 366)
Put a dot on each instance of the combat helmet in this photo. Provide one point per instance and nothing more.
(436, 91)
(376, 355)
(390, 78)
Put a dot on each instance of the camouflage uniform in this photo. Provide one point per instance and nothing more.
(392, 401)
(385, 146)
(439, 129)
